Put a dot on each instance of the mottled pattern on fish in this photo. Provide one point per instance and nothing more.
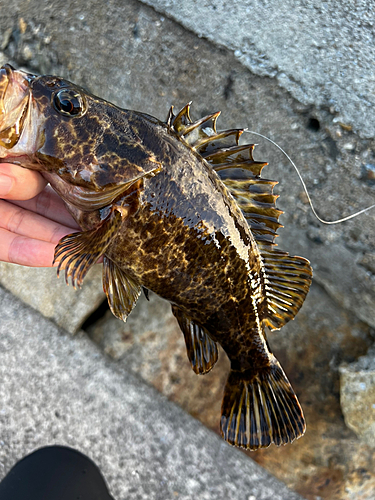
(177, 208)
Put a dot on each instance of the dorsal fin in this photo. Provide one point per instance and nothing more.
(235, 165)
(287, 278)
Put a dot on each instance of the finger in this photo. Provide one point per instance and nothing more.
(25, 223)
(50, 205)
(17, 183)
(25, 251)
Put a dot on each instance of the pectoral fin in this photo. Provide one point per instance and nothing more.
(121, 290)
(77, 252)
(201, 349)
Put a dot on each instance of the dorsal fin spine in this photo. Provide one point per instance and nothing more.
(182, 119)
(213, 117)
(230, 151)
(235, 165)
(222, 135)
(170, 117)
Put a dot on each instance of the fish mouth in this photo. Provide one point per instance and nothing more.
(15, 96)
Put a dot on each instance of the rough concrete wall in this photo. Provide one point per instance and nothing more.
(321, 51)
(130, 54)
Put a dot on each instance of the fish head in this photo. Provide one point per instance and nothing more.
(53, 126)
(31, 109)
(38, 121)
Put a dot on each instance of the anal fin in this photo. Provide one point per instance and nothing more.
(121, 290)
(201, 349)
(260, 409)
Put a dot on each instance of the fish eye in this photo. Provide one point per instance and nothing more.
(68, 102)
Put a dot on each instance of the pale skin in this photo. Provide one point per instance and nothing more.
(32, 218)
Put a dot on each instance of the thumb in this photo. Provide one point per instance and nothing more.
(17, 183)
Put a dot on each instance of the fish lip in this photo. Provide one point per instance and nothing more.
(12, 158)
(14, 76)
(23, 160)
(13, 82)
(10, 136)
(10, 71)
(5, 77)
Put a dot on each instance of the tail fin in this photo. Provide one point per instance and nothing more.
(261, 409)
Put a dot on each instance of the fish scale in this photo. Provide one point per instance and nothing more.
(178, 208)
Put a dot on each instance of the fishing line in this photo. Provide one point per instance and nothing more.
(305, 188)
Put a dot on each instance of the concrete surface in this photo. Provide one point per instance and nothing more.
(321, 51)
(56, 389)
(40, 288)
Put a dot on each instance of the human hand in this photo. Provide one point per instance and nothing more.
(33, 218)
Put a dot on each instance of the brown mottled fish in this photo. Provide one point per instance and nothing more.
(177, 208)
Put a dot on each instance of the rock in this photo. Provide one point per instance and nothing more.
(357, 396)
(323, 463)
(151, 344)
(328, 461)
(353, 289)
(40, 289)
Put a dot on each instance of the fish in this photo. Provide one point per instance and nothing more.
(179, 208)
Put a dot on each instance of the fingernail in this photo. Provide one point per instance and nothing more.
(6, 184)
